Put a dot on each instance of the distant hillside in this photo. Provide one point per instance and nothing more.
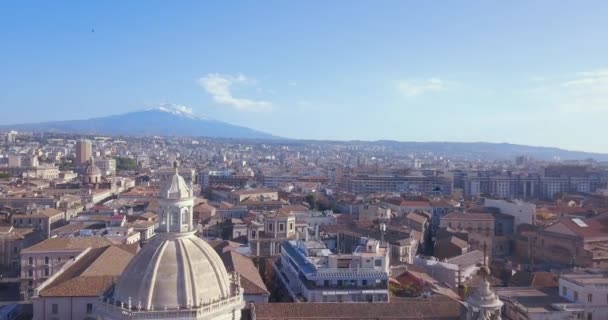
(488, 150)
(159, 121)
(166, 121)
(473, 150)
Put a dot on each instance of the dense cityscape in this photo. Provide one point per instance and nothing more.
(103, 227)
(303, 160)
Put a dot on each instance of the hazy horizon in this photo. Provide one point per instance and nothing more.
(519, 72)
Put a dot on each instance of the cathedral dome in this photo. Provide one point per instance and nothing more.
(92, 174)
(174, 273)
(92, 170)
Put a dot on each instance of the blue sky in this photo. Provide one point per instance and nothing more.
(528, 72)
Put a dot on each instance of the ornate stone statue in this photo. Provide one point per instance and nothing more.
(483, 303)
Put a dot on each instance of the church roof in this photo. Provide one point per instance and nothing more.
(174, 273)
(438, 308)
(90, 275)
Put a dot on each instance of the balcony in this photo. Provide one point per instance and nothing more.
(200, 312)
(312, 285)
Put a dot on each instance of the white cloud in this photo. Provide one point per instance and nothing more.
(583, 92)
(416, 88)
(219, 87)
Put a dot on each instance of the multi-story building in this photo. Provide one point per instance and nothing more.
(552, 181)
(12, 241)
(84, 151)
(42, 260)
(586, 292)
(107, 166)
(522, 212)
(239, 196)
(23, 203)
(42, 219)
(373, 211)
(265, 237)
(438, 184)
(455, 271)
(567, 242)
(479, 226)
(309, 272)
(232, 178)
(580, 295)
(72, 293)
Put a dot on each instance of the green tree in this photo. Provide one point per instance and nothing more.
(123, 163)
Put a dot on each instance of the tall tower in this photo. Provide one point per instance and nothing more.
(177, 275)
(84, 151)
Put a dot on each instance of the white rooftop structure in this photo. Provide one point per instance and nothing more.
(177, 275)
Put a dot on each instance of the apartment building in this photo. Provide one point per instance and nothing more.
(43, 219)
(309, 272)
(42, 260)
(437, 184)
(479, 226)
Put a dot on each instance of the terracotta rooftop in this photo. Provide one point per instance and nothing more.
(588, 229)
(75, 243)
(468, 216)
(416, 309)
(90, 275)
(536, 279)
(250, 276)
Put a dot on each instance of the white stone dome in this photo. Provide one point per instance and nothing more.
(174, 273)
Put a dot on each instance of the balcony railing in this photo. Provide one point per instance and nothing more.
(124, 313)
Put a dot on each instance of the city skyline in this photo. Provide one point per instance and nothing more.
(525, 73)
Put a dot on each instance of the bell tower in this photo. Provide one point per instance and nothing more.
(176, 203)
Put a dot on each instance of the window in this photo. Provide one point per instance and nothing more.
(15, 250)
(270, 226)
(58, 259)
(281, 227)
(46, 260)
(89, 308)
(590, 298)
(291, 226)
(378, 262)
(589, 316)
(30, 273)
(30, 261)
(54, 308)
(46, 272)
(564, 291)
(575, 295)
